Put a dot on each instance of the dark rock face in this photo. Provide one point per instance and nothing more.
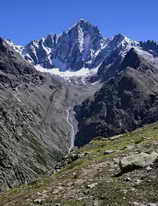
(110, 65)
(125, 102)
(14, 70)
(77, 47)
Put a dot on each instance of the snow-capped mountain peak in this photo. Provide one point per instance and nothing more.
(76, 48)
(80, 49)
(123, 40)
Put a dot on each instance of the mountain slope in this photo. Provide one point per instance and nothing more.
(93, 176)
(125, 102)
(35, 113)
(26, 149)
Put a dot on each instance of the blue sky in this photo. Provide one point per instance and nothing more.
(25, 20)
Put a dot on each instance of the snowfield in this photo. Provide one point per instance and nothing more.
(84, 72)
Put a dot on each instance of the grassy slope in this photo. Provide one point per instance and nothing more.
(91, 179)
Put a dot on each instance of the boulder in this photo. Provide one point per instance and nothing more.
(109, 152)
(137, 161)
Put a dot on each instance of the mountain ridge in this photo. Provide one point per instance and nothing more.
(81, 46)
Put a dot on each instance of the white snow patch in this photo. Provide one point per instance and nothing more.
(80, 38)
(127, 45)
(17, 48)
(130, 42)
(77, 77)
(47, 49)
(35, 43)
(68, 74)
(48, 52)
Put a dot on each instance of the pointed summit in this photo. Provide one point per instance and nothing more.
(83, 23)
(77, 47)
(119, 37)
(86, 27)
(82, 20)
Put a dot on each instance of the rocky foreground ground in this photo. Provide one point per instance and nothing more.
(121, 170)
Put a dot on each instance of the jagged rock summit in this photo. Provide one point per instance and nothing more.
(72, 50)
(81, 46)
